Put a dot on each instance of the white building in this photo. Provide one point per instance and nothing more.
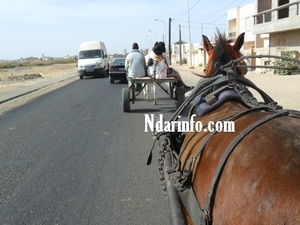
(280, 19)
(241, 20)
(271, 27)
(198, 55)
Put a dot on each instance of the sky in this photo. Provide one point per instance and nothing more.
(32, 28)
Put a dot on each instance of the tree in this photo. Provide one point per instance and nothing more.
(179, 42)
(285, 64)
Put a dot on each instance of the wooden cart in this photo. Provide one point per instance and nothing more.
(129, 94)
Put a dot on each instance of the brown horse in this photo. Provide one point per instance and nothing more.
(250, 175)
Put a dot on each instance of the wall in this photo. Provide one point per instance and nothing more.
(284, 41)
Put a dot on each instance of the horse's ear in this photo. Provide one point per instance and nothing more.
(239, 42)
(206, 43)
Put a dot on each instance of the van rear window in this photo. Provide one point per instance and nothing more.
(89, 54)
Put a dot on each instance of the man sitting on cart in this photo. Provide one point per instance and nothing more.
(135, 64)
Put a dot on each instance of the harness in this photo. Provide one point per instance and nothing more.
(171, 142)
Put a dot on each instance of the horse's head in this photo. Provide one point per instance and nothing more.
(222, 53)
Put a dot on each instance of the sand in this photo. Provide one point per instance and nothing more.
(13, 78)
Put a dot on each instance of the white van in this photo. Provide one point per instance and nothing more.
(92, 59)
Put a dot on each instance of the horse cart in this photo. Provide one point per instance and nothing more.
(250, 175)
(130, 95)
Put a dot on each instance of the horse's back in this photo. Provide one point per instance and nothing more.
(260, 182)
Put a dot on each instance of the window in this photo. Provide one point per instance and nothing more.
(283, 13)
(89, 54)
(263, 6)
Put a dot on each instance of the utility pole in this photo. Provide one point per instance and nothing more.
(190, 39)
(180, 53)
(202, 33)
(170, 20)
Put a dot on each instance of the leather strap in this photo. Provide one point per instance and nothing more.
(196, 213)
(230, 148)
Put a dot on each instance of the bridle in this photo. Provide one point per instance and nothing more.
(236, 55)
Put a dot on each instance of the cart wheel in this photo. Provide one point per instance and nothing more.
(180, 99)
(126, 100)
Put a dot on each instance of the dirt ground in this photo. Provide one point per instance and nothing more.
(12, 78)
(285, 90)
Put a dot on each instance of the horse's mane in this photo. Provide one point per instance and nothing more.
(221, 53)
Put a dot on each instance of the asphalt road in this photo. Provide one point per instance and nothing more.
(72, 156)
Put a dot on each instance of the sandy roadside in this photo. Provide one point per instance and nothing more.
(285, 90)
(6, 75)
(46, 73)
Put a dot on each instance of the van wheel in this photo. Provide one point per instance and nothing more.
(81, 77)
(112, 80)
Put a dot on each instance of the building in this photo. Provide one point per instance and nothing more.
(279, 19)
(240, 19)
(198, 54)
(271, 27)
